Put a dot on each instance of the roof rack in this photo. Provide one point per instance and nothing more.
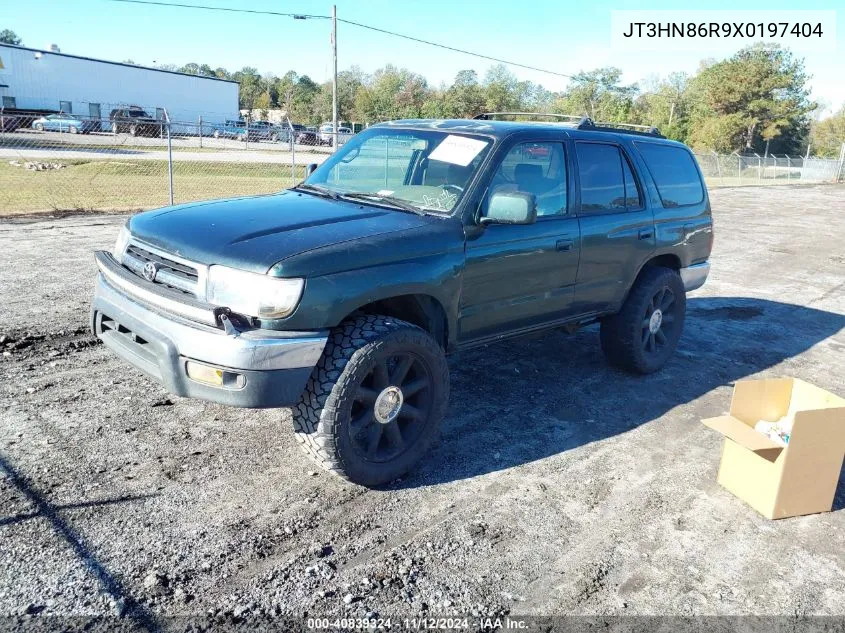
(580, 122)
(569, 118)
(630, 128)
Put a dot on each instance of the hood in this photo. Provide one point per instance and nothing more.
(255, 233)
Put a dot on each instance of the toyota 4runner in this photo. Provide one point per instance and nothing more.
(342, 296)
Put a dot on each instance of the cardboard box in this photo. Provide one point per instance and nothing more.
(782, 481)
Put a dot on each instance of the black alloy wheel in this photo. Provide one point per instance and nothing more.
(659, 321)
(642, 336)
(375, 400)
(390, 408)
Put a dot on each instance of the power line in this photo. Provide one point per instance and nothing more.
(451, 48)
(303, 16)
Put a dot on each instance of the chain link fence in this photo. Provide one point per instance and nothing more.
(139, 160)
(58, 162)
(743, 169)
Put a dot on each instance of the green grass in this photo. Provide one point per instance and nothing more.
(133, 184)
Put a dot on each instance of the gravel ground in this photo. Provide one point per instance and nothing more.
(559, 486)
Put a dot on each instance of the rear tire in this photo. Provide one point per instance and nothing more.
(375, 400)
(38, 127)
(643, 335)
(133, 130)
(73, 129)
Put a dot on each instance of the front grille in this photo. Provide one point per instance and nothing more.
(177, 275)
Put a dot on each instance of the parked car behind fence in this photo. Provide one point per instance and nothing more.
(135, 121)
(62, 122)
(256, 131)
(11, 121)
(326, 134)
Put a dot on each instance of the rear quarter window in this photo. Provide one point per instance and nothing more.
(674, 172)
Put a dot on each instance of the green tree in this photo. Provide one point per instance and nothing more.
(10, 37)
(757, 96)
(190, 69)
(249, 86)
(664, 103)
(465, 97)
(349, 82)
(828, 135)
(304, 100)
(500, 90)
(598, 94)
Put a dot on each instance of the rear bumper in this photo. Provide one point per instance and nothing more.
(271, 368)
(694, 276)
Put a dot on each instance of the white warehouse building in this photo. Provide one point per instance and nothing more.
(48, 80)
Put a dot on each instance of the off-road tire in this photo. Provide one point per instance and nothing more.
(622, 333)
(322, 417)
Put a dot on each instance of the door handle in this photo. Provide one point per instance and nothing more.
(564, 245)
(646, 234)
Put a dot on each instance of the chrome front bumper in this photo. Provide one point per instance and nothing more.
(694, 276)
(154, 336)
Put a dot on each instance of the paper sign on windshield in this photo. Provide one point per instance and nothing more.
(458, 150)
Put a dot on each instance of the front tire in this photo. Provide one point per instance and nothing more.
(374, 403)
(643, 335)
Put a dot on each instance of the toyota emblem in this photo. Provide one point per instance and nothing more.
(150, 271)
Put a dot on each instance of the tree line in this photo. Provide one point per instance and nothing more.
(756, 101)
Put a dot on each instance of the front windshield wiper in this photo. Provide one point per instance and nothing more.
(317, 190)
(391, 201)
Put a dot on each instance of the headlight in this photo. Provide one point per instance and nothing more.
(253, 294)
(121, 243)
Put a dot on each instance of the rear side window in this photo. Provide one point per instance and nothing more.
(607, 183)
(674, 173)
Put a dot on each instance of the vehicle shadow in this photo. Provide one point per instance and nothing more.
(524, 400)
(129, 607)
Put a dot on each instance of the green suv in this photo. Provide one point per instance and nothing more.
(342, 296)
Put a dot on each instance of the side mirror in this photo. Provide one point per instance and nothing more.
(512, 207)
(310, 168)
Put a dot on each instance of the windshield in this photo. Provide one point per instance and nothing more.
(427, 169)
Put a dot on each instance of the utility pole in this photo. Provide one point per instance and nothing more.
(334, 78)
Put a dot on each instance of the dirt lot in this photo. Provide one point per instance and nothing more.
(559, 484)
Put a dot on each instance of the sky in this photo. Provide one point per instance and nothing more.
(559, 35)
